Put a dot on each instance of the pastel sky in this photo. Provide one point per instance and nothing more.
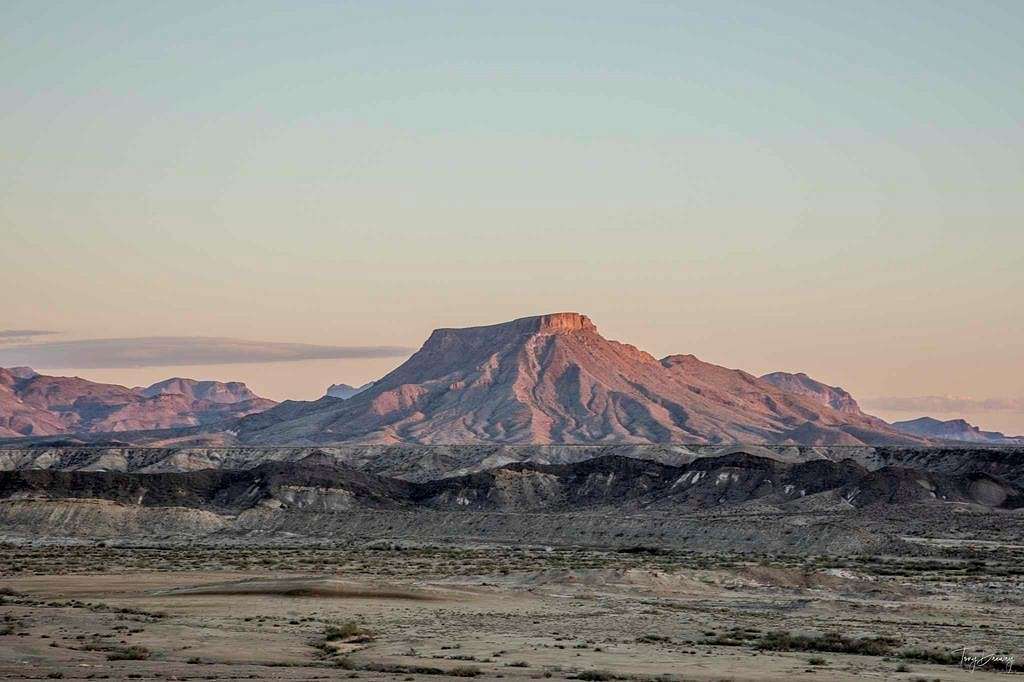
(833, 188)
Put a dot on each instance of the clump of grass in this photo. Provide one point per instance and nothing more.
(595, 675)
(817, 660)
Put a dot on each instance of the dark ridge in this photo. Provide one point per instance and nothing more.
(612, 482)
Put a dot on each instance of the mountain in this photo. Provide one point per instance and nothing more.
(801, 384)
(555, 379)
(954, 429)
(345, 391)
(19, 418)
(33, 404)
(23, 372)
(212, 391)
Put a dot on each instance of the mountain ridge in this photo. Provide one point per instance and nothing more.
(33, 404)
(954, 429)
(607, 482)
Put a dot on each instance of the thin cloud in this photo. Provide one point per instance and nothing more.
(165, 351)
(23, 335)
(945, 404)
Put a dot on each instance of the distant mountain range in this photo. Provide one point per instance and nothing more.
(955, 429)
(344, 391)
(32, 404)
(537, 380)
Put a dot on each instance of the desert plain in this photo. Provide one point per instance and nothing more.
(422, 611)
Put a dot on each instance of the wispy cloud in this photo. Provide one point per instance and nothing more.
(945, 404)
(23, 335)
(164, 351)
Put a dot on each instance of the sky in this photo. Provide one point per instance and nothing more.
(299, 192)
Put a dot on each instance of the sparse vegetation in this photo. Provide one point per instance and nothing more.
(666, 623)
(596, 675)
(941, 657)
(833, 642)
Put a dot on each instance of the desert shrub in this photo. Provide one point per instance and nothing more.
(129, 653)
(595, 675)
(652, 639)
(833, 642)
(347, 631)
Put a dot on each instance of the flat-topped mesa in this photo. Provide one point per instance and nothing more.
(489, 338)
(552, 323)
(557, 323)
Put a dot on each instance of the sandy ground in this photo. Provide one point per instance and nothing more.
(588, 615)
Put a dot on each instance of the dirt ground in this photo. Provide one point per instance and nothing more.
(402, 613)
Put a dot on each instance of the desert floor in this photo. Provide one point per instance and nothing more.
(410, 613)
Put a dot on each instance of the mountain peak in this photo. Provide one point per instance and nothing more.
(799, 383)
(346, 391)
(23, 372)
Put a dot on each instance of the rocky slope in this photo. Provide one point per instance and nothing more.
(555, 379)
(32, 404)
(954, 429)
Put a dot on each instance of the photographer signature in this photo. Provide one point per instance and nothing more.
(974, 661)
